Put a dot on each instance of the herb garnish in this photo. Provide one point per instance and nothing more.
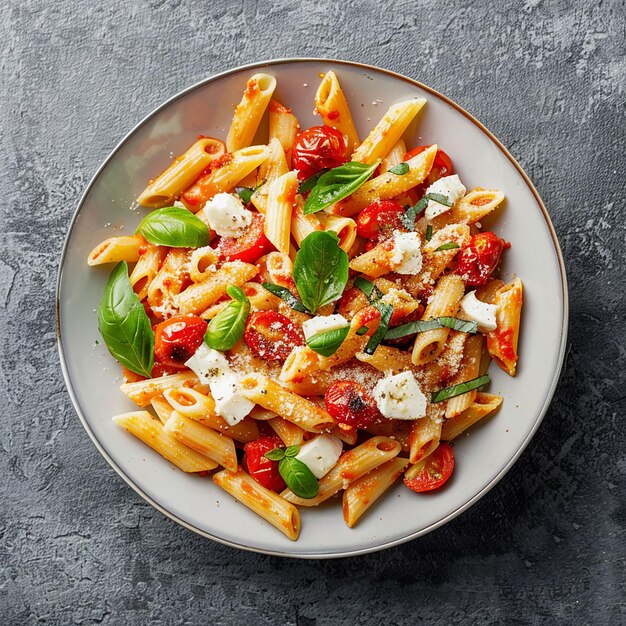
(227, 327)
(299, 478)
(174, 227)
(460, 389)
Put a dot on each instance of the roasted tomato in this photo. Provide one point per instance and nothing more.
(349, 403)
(259, 466)
(272, 336)
(177, 339)
(442, 165)
(476, 261)
(435, 470)
(252, 245)
(377, 221)
(317, 148)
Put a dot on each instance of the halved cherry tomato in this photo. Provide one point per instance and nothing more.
(317, 148)
(271, 335)
(476, 261)
(350, 403)
(177, 339)
(260, 467)
(442, 166)
(436, 470)
(252, 245)
(377, 221)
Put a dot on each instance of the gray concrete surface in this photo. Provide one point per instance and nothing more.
(546, 546)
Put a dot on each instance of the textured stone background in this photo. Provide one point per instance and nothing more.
(546, 546)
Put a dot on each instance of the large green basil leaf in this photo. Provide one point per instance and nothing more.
(124, 324)
(174, 227)
(227, 327)
(328, 342)
(338, 184)
(320, 270)
(299, 478)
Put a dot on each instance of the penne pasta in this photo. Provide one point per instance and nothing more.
(116, 249)
(283, 126)
(142, 391)
(483, 405)
(146, 269)
(502, 342)
(280, 199)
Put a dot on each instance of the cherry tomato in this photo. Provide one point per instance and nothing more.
(436, 470)
(272, 336)
(177, 339)
(442, 166)
(317, 148)
(377, 221)
(476, 261)
(349, 403)
(352, 300)
(260, 467)
(252, 245)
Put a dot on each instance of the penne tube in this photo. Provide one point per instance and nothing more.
(375, 262)
(270, 506)
(146, 269)
(290, 433)
(426, 433)
(275, 165)
(469, 369)
(387, 359)
(399, 430)
(199, 296)
(484, 404)
(331, 104)
(260, 300)
(345, 228)
(201, 408)
(502, 342)
(350, 467)
(388, 131)
(168, 282)
(283, 125)
(445, 301)
(471, 208)
(143, 426)
(362, 493)
(168, 186)
(280, 199)
(348, 436)
(302, 225)
(202, 439)
(388, 185)
(202, 264)
(162, 408)
(116, 249)
(142, 391)
(249, 111)
(291, 406)
(394, 157)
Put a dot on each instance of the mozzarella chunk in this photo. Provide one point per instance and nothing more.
(227, 215)
(323, 324)
(482, 313)
(399, 397)
(407, 253)
(321, 454)
(212, 368)
(449, 186)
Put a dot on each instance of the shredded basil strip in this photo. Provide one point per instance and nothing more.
(362, 330)
(400, 169)
(337, 184)
(310, 182)
(386, 311)
(460, 389)
(372, 292)
(284, 294)
(429, 232)
(328, 342)
(410, 215)
(437, 197)
(451, 245)
(420, 326)
(245, 193)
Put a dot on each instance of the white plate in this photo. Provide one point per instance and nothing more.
(482, 457)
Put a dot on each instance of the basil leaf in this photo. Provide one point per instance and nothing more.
(276, 454)
(460, 389)
(174, 227)
(320, 270)
(299, 478)
(245, 193)
(226, 328)
(429, 232)
(437, 197)
(410, 215)
(284, 294)
(372, 292)
(386, 311)
(125, 325)
(337, 184)
(310, 182)
(451, 245)
(362, 330)
(421, 326)
(292, 450)
(400, 169)
(328, 342)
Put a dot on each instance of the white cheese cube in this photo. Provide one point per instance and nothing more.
(323, 324)
(449, 186)
(407, 253)
(399, 397)
(321, 454)
(227, 215)
(482, 313)
(208, 364)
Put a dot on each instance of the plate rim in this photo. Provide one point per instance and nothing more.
(316, 555)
